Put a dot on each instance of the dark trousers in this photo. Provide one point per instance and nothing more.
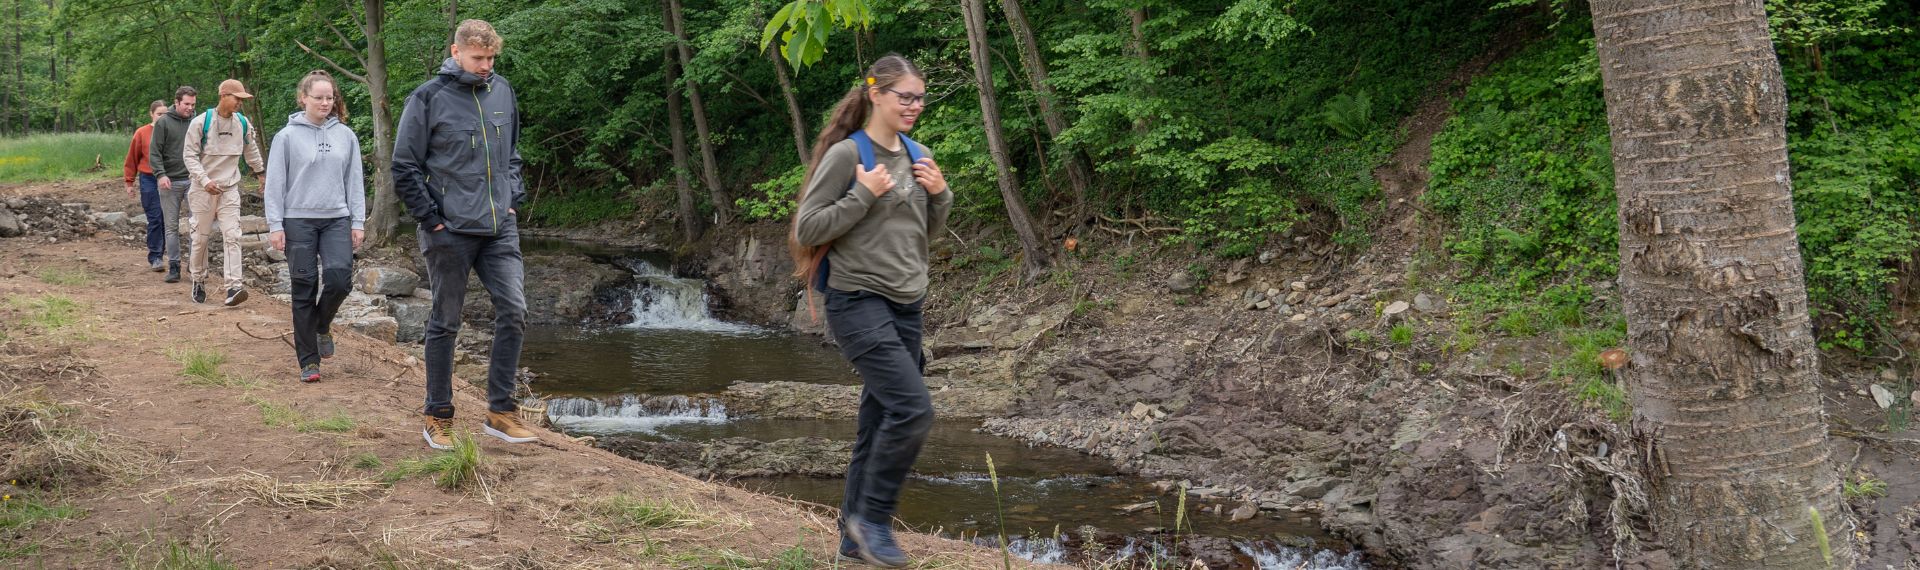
(156, 221)
(320, 263)
(882, 340)
(496, 259)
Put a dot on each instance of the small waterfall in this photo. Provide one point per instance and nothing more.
(633, 414)
(662, 301)
(1271, 556)
(1036, 550)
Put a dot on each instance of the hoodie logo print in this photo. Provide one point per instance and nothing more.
(324, 147)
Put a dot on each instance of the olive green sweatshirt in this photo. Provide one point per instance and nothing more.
(879, 243)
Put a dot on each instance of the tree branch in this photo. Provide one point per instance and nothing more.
(347, 44)
(331, 63)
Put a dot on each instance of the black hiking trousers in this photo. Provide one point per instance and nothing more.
(881, 339)
(320, 266)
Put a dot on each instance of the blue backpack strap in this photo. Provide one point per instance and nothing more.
(864, 145)
(913, 149)
(206, 124)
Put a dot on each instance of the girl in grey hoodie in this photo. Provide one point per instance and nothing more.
(316, 209)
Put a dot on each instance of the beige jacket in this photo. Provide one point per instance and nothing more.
(219, 161)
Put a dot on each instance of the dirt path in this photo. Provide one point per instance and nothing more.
(247, 465)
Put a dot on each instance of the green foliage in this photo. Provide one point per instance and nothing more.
(1348, 115)
(1863, 487)
(650, 514)
(49, 312)
(1805, 23)
(202, 367)
(776, 199)
(276, 414)
(339, 422)
(809, 22)
(366, 461)
(1360, 336)
(59, 157)
(1401, 335)
(582, 208)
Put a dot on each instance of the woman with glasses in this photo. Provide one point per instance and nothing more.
(316, 209)
(872, 200)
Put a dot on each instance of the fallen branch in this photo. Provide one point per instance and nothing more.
(282, 337)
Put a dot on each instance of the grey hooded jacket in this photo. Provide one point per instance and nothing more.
(455, 157)
(314, 171)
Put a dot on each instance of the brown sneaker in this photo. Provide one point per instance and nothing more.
(438, 431)
(507, 427)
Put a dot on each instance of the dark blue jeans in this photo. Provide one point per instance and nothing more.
(496, 259)
(881, 339)
(156, 222)
(320, 263)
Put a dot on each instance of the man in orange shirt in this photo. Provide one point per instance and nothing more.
(138, 166)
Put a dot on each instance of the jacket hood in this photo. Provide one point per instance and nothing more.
(175, 113)
(300, 118)
(452, 68)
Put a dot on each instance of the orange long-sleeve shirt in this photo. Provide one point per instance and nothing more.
(137, 153)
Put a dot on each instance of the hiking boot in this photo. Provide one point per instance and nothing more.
(326, 345)
(507, 427)
(874, 543)
(156, 266)
(310, 373)
(236, 295)
(173, 272)
(849, 552)
(199, 292)
(438, 431)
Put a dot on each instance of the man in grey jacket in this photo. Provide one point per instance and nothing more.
(165, 153)
(456, 166)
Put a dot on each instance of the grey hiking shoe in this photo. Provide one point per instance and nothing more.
(310, 373)
(874, 543)
(326, 345)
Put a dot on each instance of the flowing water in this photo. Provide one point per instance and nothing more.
(652, 379)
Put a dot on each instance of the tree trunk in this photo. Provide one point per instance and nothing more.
(19, 76)
(1037, 259)
(1724, 374)
(793, 106)
(1049, 108)
(709, 170)
(689, 215)
(384, 221)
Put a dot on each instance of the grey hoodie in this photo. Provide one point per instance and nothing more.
(314, 171)
(455, 157)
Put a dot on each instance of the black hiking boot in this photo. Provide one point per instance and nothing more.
(199, 292)
(173, 272)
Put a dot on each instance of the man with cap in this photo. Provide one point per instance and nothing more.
(215, 143)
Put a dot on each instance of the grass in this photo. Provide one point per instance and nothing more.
(1590, 382)
(1360, 336)
(65, 276)
(1401, 335)
(41, 158)
(1863, 487)
(45, 453)
(451, 469)
(276, 414)
(201, 367)
(49, 312)
(650, 514)
(19, 514)
(365, 461)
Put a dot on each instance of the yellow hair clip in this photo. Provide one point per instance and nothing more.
(869, 81)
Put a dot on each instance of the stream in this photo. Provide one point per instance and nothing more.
(648, 381)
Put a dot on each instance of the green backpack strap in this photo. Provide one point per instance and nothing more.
(206, 124)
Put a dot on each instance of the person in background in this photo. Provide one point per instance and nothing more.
(316, 209)
(214, 145)
(138, 169)
(164, 153)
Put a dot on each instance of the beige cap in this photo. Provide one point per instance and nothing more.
(234, 88)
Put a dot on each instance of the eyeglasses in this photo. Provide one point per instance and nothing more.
(907, 99)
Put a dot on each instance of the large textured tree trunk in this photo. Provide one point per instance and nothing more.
(1724, 374)
(793, 106)
(1037, 258)
(1049, 108)
(709, 170)
(689, 215)
(384, 220)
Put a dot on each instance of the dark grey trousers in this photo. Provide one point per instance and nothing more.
(320, 263)
(496, 260)
(882, 340)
